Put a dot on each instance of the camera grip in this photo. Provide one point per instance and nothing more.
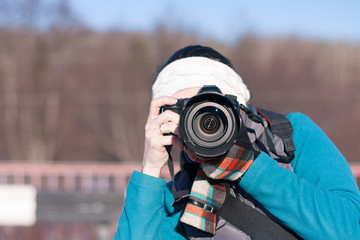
(177, 107)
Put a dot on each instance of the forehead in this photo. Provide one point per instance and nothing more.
(187, 92)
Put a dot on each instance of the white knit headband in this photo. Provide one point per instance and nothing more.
(197, 72)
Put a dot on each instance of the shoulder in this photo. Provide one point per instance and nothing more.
(299, 119)
(305, 128)
(311, 142)
(303, 125)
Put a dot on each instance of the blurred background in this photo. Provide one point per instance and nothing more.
(75, 80)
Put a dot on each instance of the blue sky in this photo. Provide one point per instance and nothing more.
(228, 19)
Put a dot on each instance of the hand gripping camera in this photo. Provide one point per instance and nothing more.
(209, 121)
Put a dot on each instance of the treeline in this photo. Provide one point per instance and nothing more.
(73, 95)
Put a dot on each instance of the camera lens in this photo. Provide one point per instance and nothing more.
(209, 123)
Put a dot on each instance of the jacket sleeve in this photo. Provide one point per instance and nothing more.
(146, 214)
(320, 199)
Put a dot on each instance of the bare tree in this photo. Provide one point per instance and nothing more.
(31, 93)
(73, 94)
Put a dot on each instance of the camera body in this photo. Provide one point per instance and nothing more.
(210, 122)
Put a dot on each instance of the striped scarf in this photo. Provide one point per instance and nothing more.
(208, 192)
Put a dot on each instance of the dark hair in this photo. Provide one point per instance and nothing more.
(197, 51)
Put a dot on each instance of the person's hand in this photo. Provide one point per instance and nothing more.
(156, 137)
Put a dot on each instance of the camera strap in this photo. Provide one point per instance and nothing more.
(252, 222)
(177, 200)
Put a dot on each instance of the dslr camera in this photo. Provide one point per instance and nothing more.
(210, 122)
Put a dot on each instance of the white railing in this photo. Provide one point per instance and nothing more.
(69, 177)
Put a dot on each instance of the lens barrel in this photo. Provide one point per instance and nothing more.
(209, 125)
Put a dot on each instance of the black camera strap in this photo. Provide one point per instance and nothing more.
(178, 201)
(252, 222)
(172, 173)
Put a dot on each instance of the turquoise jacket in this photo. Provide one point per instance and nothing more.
(319, 200)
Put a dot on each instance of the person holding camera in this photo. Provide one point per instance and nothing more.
(246, 173)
